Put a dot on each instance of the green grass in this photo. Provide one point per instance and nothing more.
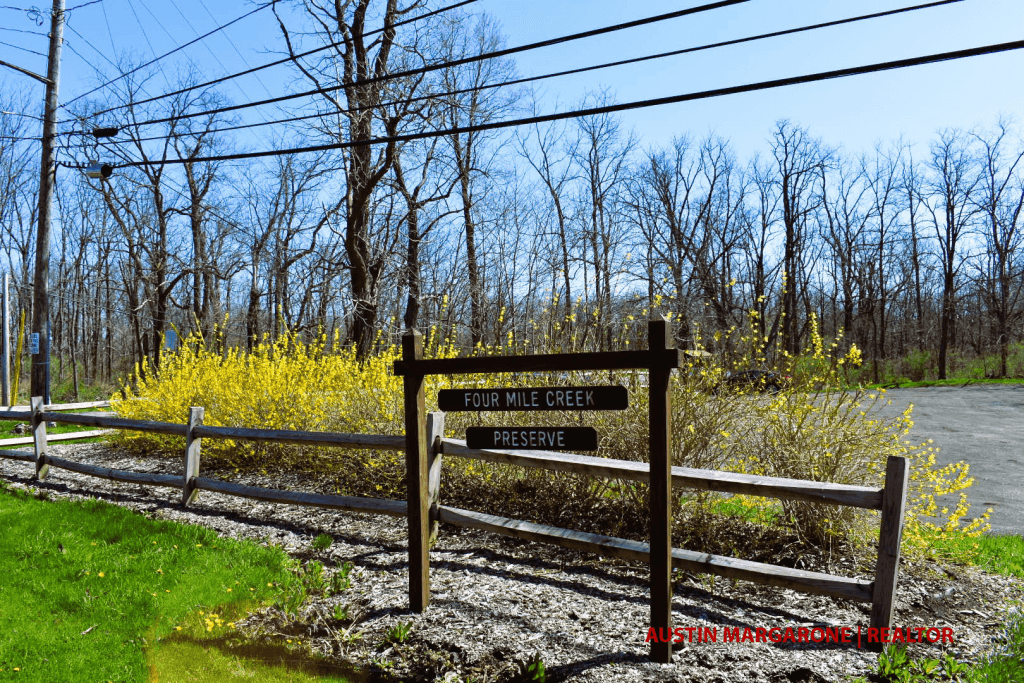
(1007, 665)
(89, 590)
(206, 637)
(1002, 554)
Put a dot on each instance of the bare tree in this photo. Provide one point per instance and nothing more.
(1000, 199)
(472, 102)
(359, 69)
(602, 156)
(952, 189)
(798, 159)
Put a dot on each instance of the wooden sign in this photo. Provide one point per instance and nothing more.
(533, 438)
(534, 398)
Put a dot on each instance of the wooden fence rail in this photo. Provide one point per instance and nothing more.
(890, 499)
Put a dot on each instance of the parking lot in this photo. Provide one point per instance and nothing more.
(982, 424)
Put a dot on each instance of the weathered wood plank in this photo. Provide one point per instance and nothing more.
(77, 406)
(598, 360)
(16, 413)
(193, 444)
(887, 570)
(331, 439)
(69, 436)
(394, 508)
(435, 433)
(683, 477)
(562, 462)
(102, 420)
(797, 579)
(24, 456)
(172, 480)
(779, 487)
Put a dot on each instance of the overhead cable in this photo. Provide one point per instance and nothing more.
(84, 4)
(614, 108)
(282, 61)
(23, 30)
(171, 52)
(459, 62)
(569, 72)
(24, 49)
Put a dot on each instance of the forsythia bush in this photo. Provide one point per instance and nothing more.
(816, 428)
(282, 384)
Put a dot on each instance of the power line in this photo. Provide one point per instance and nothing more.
(171, 52)
(610, 109)
(465, 60)
(287, 59)
(22, 30)
(233, 46)
(25, 49)
(84, 4)
(624, 62)
(213, 52)
(90, 63)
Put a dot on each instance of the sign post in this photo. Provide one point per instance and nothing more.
(417, 475)
(659, 339)
(659, 360)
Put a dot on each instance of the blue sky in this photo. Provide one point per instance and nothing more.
(853, 112)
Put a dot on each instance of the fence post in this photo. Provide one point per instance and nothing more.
(894, 498)
(659, 339)
(39, 437)
(435, 432)
(192, 446)
(416, 473)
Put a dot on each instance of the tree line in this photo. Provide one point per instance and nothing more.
(557, 234)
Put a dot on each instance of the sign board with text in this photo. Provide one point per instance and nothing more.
(534, 398)
(533, 438)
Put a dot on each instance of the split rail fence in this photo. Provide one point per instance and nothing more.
(425, 444)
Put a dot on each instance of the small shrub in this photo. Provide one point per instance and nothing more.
(322, 542)
(918, 363)
(341, 580)
(312, 578)
(531, 670)
(399, 633)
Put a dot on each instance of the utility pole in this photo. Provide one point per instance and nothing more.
(47, 175)
(5, 346)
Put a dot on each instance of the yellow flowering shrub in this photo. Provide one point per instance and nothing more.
(281, 384)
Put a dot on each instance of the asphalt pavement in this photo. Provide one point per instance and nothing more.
(983, 425)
